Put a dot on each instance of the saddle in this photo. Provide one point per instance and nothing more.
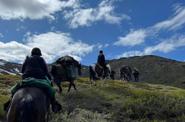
(43, 84)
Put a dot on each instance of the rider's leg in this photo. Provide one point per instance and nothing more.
(56, 107)
(6, 105)
(70, 85)
(74, 86)
(104, 71)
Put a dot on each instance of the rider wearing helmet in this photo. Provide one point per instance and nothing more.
(35, 66)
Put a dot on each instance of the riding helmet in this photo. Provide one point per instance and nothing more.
(36, 51)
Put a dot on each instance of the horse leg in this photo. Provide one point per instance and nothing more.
(59, 87)
(69, 88)
(70, 85)
(73, 84)
(91, 78)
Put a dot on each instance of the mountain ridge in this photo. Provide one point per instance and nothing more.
(153, 69)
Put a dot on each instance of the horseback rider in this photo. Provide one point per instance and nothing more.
(101, 61)
(36, 67)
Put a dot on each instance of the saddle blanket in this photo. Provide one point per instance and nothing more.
(43, 84)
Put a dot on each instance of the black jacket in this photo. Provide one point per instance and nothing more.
(101, 60)
(35, 67)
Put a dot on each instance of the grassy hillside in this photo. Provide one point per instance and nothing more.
(114, 101)
(6, 81)
(154, 69)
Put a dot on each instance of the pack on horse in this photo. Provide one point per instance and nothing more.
(65, 69)
(31, 98)
(126, 73)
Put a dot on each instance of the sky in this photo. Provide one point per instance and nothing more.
(80, 28)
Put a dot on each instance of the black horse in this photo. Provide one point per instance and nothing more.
(126, 73)
(29, 104)
(65, 69)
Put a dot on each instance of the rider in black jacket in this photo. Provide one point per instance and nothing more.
(35, 66)
(101, 60)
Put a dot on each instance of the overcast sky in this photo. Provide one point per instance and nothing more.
(80, 28)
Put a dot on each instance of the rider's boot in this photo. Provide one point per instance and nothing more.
(56, 107)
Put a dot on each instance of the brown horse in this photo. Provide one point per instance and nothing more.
(29, 104)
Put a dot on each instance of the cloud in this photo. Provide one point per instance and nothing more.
(101, 46)
(72, 10)
(139, 36)
(53, 45)
(165, 46)
(130, 54)
(70, 4)
(86, 16)
(33, 9)
(133, 38)
(176, 22)
(13, 51)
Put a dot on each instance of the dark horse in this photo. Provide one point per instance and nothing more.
(96, 72)
(29, 104)
(66, 69)
(126, 73)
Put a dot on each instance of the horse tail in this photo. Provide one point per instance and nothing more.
(26, 110)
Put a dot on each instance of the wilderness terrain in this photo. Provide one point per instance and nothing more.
(112, 101)
(153, 69)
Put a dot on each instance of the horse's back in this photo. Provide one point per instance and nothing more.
(28, 105)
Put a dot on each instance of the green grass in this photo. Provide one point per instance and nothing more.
(115, 101)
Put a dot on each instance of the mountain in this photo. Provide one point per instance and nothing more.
(154, 69)
(9, 67)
